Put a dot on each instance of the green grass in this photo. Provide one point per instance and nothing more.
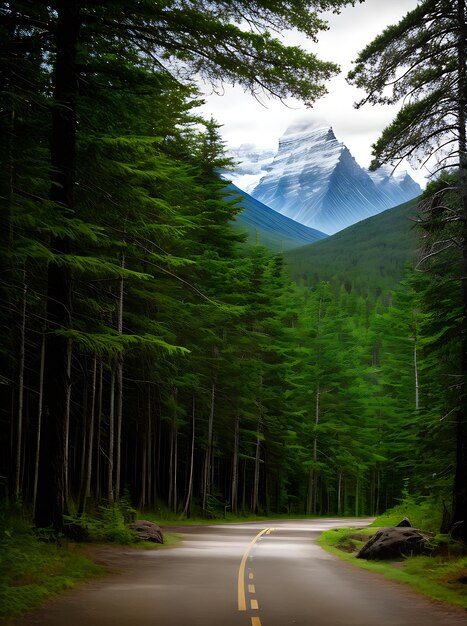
(32, 571)
(442, 577)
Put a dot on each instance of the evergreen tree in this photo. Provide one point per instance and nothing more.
(423, 61)
(199, 37)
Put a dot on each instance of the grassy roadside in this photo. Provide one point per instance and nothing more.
(441, 576)
(33, 571)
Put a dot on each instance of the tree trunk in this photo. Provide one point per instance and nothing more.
(460, 480)
(312, 485)
(173, 455)
(144, 466)
(357, 496)
(339, 494)
(111, 446)
(234, 498)
(66, 435)
(50, 501)
(118, 442)
(83, 436)
(20, 417)
(186, 510)
(119, 388)
(150, 447)
(90, 440)
(207, 461)
(99, 481)
(39, 423)
(255, 500)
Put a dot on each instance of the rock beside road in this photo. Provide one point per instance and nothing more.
(389, 543)
(404, 523)
(147, 531)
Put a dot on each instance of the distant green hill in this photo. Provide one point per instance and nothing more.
(268, 227)
(368, 256)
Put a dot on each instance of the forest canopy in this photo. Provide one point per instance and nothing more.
(148, 351)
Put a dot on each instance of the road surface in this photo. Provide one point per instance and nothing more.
(258, 574)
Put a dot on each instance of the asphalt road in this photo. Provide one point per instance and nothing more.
(260, 574)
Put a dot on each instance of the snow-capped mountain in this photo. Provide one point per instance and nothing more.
(252, 165)
(315, 180)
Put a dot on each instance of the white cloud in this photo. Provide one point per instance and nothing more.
(245, 120)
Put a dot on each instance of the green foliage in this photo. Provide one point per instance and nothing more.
(107, 524)
(32, 570)
(417, 61)
(369, 257)
(424, 512)
(438, 577)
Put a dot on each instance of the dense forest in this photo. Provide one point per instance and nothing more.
(149, 350)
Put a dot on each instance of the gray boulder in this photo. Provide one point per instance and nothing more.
(147, 531)
(390, 543)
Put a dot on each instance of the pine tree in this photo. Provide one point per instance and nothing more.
(423, 61)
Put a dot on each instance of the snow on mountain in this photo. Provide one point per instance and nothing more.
(252, 165)
(315, 180)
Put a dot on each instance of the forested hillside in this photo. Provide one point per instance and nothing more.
(371, 254)
(146, 351)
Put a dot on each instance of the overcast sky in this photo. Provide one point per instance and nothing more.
(247, 121)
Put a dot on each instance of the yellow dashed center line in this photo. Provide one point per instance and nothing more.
(255, 621)
(241, 572)
(251, 589)
(254, 604)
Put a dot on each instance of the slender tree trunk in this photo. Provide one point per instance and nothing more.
(90, 439)
(312, 485)
(144, 467)
(66, 427)
(118, 442)
(20, 416)
(208, 457)
(234, 498)
(120, 389)
(172, 458)
(39, 423)
(150, 447)
(255, 501)
(83, 436)
(357, 497)
(111, 447)
(175, 479)
(339, 494)
(244, 487)
(309, 499)
(186, 510)
(98, 465)
(50, 500)
(460, 480)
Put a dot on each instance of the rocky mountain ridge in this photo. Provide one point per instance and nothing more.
(314, 179)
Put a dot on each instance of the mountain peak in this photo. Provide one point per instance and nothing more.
(315, 180)
(307, 125)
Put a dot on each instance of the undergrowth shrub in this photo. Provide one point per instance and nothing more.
(32, 569)
(106, 523)
(424, 512)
